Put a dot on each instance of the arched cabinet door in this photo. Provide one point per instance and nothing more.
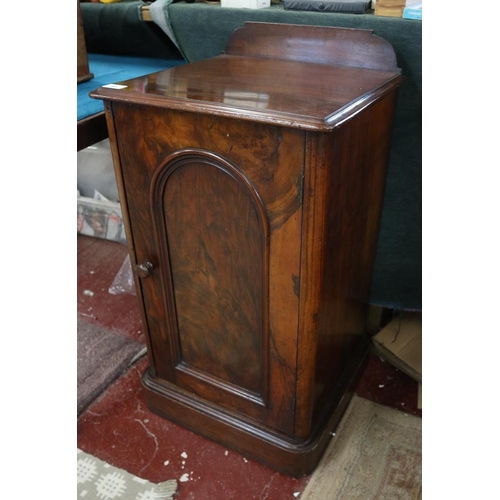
(212, 238)
(215, 216)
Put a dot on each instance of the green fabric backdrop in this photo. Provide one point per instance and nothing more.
(202, 30)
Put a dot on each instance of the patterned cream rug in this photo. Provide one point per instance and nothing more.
(98, 480)
(376, 454)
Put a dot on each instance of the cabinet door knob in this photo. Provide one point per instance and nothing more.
(144, 269)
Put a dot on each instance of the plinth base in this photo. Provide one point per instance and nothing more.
(295, 458)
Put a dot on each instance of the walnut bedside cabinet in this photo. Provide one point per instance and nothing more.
(252, 184)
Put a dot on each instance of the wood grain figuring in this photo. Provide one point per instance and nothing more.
(357, 48)
(356, 180)
(120, 183)
(270, 158)
(313, 230)
(264, 90)
(82, 60)
(217, 252)
(293, 457)
(253, 189)
(344, 189)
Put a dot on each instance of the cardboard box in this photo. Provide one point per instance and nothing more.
(400, 343)
(390, 8)
(350, 6)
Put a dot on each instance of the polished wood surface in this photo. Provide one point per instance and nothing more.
(217, 260)
(345, 175)
(267, 80)
(286, 92)
(357, 48)
(239, 156)
(252, 191)
(90, 130)
(83, 70)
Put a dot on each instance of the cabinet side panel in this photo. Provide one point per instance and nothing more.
(354, 205)
(350, 166)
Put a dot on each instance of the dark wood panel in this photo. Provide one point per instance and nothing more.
(83, 71)
(217, 254)
(356, 178)
(344, 188)
(265, 90)
(91, 130)
(272, 159)
(323, 45)
(294, 457)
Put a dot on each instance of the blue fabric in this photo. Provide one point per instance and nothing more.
(113, 69)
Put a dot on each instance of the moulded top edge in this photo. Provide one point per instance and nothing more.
(290, 93)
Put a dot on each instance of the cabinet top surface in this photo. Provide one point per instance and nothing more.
(291, 93)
